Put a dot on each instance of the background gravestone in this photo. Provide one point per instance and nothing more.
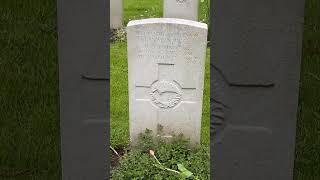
(255, 78)
(166, 59)
(116, 14)
(83, 78)
(183, 9)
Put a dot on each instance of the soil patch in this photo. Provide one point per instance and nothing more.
(115, 158)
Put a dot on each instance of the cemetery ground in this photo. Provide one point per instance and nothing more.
(29, 90)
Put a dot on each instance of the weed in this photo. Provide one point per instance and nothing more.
(174, 160)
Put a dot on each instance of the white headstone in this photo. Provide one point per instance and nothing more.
(116, 14)
(166, 59)
(183, 9)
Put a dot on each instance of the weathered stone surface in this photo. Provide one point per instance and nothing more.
(116, 14)
(166, 59)
(255, 79)
(184, 9)
(83, 81)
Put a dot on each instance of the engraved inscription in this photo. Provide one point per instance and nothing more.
(167, 46)
(165, 94)
(181, 1)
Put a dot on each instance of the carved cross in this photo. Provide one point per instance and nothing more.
(165, 92)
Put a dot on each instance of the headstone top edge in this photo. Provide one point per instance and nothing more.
(168, 21)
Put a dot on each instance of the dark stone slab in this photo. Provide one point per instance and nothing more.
(84, 92)
(255, 70)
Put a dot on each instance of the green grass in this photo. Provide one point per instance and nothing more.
(119, 124)
(29, 101)
(141, 9)
(307, 166)
(29, 106)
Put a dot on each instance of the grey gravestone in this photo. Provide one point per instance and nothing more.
(255, 79)
(183, 9)
(166, 59)
(83, 77)
(116, 14)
